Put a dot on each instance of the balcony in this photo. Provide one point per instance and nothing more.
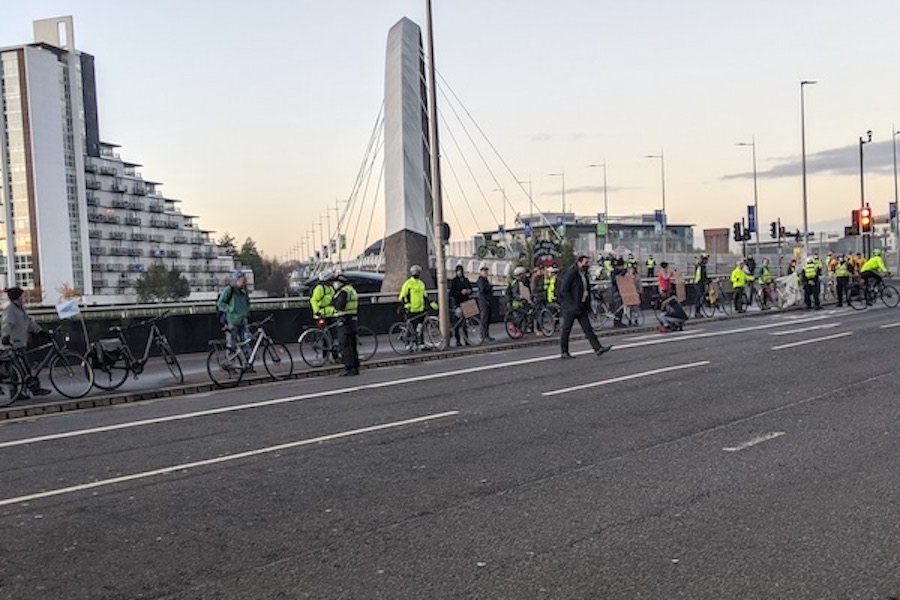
(114, 267)
(118, 251)
(107, 170)
(92, 200)
(139, 190)
(98, 282)
(136, 267)
(197, 241)
(134, 252)
(156, 207)
(90, 166)
(92, 184)
(94, 234)
(117, 187)
(137, 237)
(196, 254)
(155, 237)
(111, 219)
(137, 205)
(180, 239)
(117, 235)
(98, 250)
(133, 221)
(196, 269)
(158, 253)
(210, 254)
(120, 203)
(173, 254)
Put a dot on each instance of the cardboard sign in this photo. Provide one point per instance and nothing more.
(627, 291)
(680, 290)
(469, 308)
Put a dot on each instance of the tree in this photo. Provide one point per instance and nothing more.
(159, 284)
(228, 244)
(277, 283)
(251, 258)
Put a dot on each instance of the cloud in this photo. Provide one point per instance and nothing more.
(586, 189)
(878, 158)
(567, 137)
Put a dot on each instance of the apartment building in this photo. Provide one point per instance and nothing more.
(73, 213)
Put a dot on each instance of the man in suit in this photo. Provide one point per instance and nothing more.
(575, 301)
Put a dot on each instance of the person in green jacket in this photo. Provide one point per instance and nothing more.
(738, 281)
(322, 296)
(234, 307)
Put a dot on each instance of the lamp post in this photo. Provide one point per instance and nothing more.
(662, 174)
(605, 202)
(752, 144)
(862, 187)
(530, 197)
(803, 161)
(896, 224)
(563, 175)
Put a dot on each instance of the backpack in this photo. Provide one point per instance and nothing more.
(221, 314)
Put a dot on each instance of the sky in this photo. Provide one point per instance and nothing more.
(258, 115)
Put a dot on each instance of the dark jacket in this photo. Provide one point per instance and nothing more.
(457, 285)
(571, 291)
(485, 291)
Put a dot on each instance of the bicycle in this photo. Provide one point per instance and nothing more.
(70, 373)
(493, 247)
(414, 333)
(318, 345)
(627, 315)
(11, 379)
(470, 327)
(861, 296)
(113, 360)
(548, 318)
(520, 320)
(228, 362)
(714, 300)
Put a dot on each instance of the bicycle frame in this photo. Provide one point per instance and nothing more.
(21, 357)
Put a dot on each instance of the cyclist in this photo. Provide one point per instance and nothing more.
(322, 295)
(870, 271)
(551, 284)
(738, 281)
(346, 305)
(518, 290)
(17, 325)
(234, 307)
(764, 276)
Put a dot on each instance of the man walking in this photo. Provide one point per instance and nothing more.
(575, 300)
(485, 291)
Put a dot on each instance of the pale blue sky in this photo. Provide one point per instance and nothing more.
(258, 114)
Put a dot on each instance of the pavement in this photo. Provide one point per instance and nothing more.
(747, 458)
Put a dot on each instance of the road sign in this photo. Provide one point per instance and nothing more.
(751, 219)
(657, 228)
(602, 226)
(659, 217)
(526, 225)
(559, 221)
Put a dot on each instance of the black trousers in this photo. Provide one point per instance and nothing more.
(568, 319)
(485, 309)
(346, 333)
(843, 283)
(811, 293)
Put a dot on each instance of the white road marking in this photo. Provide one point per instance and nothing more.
(390, 383)
(804, 329)
(889, 325)
(654, 336)
(813, 340)
(625, 378)
(223, 459)
(754, 442)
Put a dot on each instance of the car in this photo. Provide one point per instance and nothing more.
(364, 282)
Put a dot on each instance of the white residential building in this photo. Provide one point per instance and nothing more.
(72, 212)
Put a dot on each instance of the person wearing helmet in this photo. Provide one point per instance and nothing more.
(345, 305)
(738, 282)
(234, 308)
(412, 294)
(871, 272)
(518, 290)
(842, 271)
(322, 296)
(809, 277)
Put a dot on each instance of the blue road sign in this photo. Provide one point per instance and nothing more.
(751, 219)
(526, 225)
(559, 221)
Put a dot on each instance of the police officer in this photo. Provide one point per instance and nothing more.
(810, 279)
(651, 266)
(842, 273)
(346, 305)
(701, 284)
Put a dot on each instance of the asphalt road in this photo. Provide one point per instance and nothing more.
(743, 459)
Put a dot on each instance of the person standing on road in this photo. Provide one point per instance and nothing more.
(485, 292)
(575, 300)
(651, 267)
(322, 295)
(234, 304)
(346, 306)
(738, 281)
(17, 326)
(460, 291)
(701, 284)
(810, 278)
(842, 272)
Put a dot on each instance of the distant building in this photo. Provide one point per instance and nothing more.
(72, 212)
(716, 240)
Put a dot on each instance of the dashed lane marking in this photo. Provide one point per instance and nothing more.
(813, 340)
(754, 442)
(805, 329)
(594, 384)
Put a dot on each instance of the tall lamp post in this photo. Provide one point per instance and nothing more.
(896, 224)
(563, 175)
(662, 174)
(752, 144)
(605, 202)
(862, 188)
(803, 161)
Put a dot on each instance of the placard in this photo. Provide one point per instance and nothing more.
(629, 294)
(469, 308)
(680, 289)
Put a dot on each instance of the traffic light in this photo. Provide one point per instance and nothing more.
(781, 231)
(746, 235)
(738, 234)
(865, 220)
(773, 229)
(854, 222)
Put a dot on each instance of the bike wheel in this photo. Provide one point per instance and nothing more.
(472, 330)
(278, 361)
(856, 297)
(514, 324)
(71, 374)
(724, 304)
(546, 322)
(366, 343)
(12, 382)
(315, 347)
(500, 252)
(432, 333)
(598, 315)
(224, 366)
(708, 309)
(402, 340)
(481, 251)
(890, 296)
(110, 377)
(168, 355)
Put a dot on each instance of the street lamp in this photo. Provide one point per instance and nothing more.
(752, 144)
(862, 185)
(803, 159)
(563, 175)
(605, 201)
(662, 173)
(896, 225)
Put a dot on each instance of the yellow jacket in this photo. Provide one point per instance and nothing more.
(738, 278)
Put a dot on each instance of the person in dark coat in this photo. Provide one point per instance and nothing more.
(460, 291)
(575, 301)
(485, 291)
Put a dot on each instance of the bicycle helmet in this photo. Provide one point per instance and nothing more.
(415, 270)
(518, 271)
(876, 252)
(326, 276)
